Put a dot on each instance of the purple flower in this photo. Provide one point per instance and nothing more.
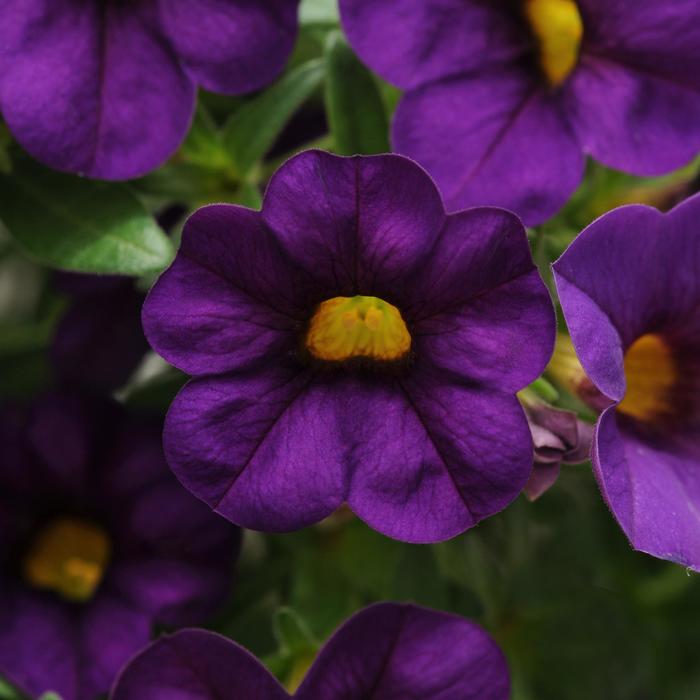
(630, 290)
(98, 542)
(504, 98)
(99, 342)
(352, 343)
(557, 436)
(106, 88)
(385, 651)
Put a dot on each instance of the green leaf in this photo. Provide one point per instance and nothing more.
(319, 12)
(292, 633)
(354, 105)
(82, 225)
(252, 130)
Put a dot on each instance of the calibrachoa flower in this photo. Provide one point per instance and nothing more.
(107, 87)
(630, 290)
(99, 341)
(558, 436)
(385, 651)
(352, 343)
(98, 542)
(505, 98)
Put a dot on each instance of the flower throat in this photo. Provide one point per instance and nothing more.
(68, 557)
(345, 328)
(558, 28)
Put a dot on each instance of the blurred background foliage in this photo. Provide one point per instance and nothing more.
(578, 613)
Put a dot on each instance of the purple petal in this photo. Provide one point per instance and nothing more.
(92, 88)
(479, 307)
(263, 450)
(631, 272)
(357, 225)
(229, 300)
(494, 138)
(110, 634)
(652, 485)
(633, 118)
(231, 47)
(433, 458)
(413, 42)
(99, 341)
(543, 477)
(391, 651)
(195, 665)
(37, 644)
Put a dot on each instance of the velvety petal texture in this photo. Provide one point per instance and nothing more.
(633, 274)
(480, 113)
(275, 439)
(385, 651)
(107, 89)
(169, 558)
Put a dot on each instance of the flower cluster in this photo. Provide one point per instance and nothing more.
(352, 339)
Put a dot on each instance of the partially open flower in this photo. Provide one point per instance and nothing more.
(384, 651)
(352, 343)
(505, 98)
(558, 436)
(98, 543)
(630, 290)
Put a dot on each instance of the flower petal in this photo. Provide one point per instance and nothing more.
(652, 485)
(229, 300)
(37, 644)
(231, 47)
(262, 450)
(401, 651)
(215, 668)
(433, 457)
(357, 225)
(110, 634)
(634, 118)
(92, 88)
(412, 42)
(479, 308)
(494, 138)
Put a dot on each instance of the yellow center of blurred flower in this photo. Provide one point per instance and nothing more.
(651, 374)
(348, 327)
(69, 558)
(558, 27)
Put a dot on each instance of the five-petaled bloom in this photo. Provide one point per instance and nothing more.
(385, 651)
(505, 97)
(99, 543)
(107, 87)
(352, 343)
(630, 291)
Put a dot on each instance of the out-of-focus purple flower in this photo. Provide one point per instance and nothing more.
(385, 651)
(99, 341)
(505, 98)
(352, 343)
(107, 88)
(98, 542)
(557, 436)
(630, 291)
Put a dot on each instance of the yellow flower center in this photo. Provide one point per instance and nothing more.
(651, 374)
(558, 27)
(348, 327)
(69, 558)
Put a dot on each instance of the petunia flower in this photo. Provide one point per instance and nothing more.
(98, 543)
(106, 88)
(385, 651)
(504, 98)
(352, 343)
(558, 436)
(630, 290)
